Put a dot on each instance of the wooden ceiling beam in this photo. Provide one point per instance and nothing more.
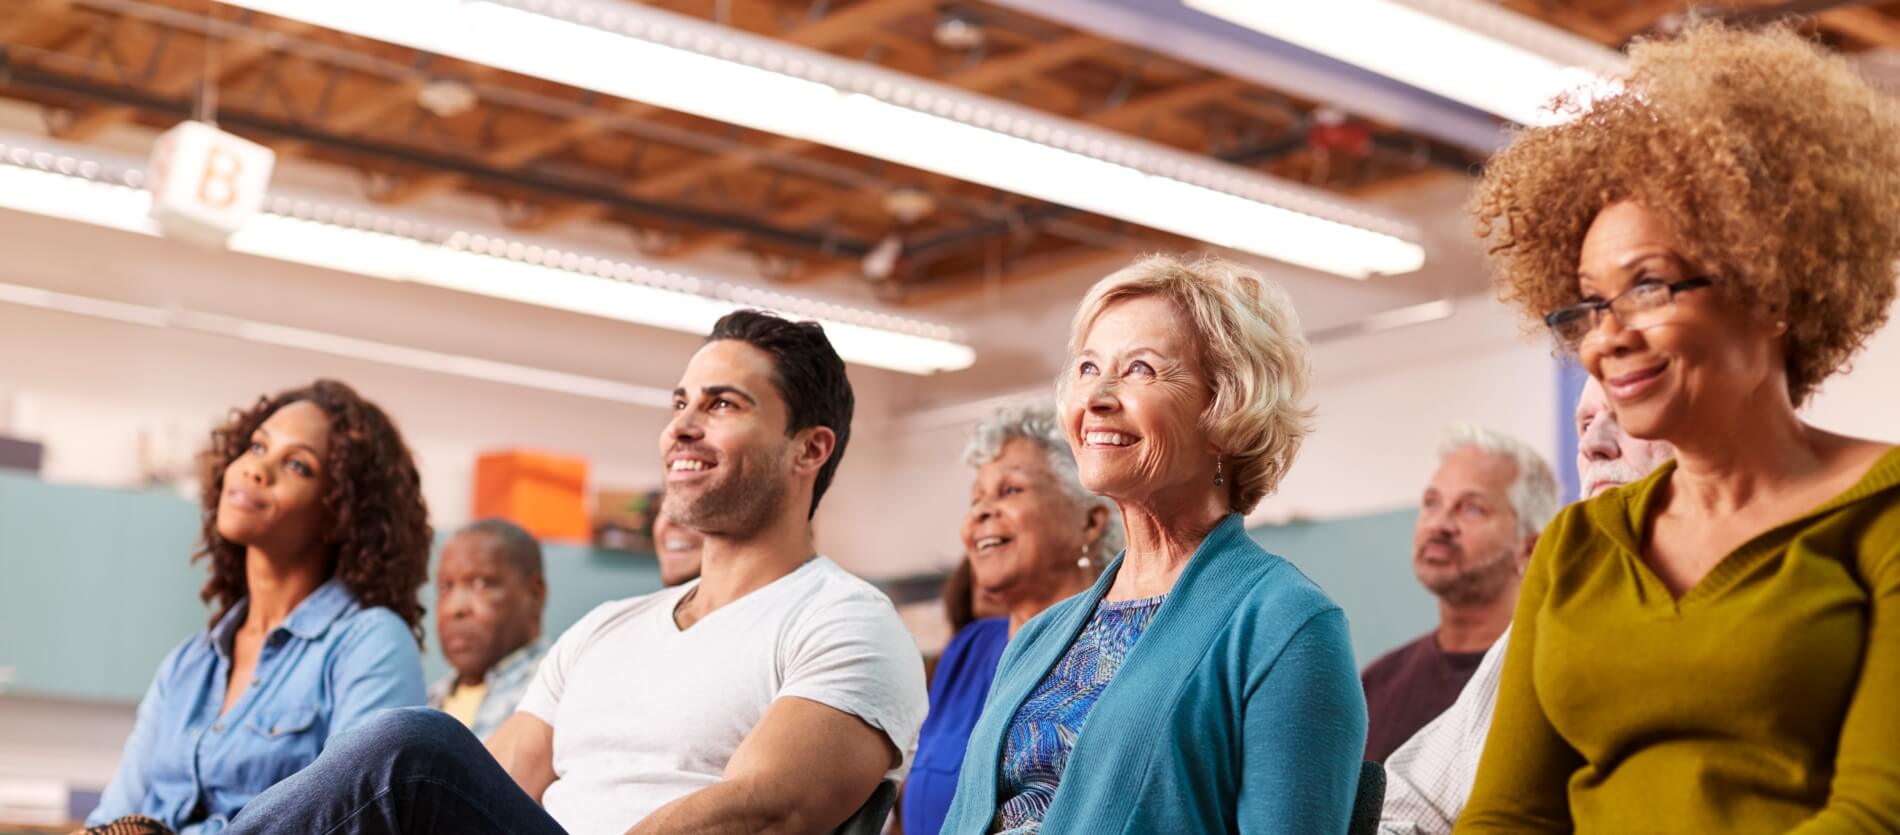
(1865, 23)
(986, 74)
(1027, 63)
(853, 22)
(359, 114)
(1608, 34)
(797, 215)
(1029, 268)
(983, 75)
(32, 15)
(232, 57)
(1131, 114)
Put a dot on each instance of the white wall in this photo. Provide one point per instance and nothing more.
(89, 388)
(1866, 400)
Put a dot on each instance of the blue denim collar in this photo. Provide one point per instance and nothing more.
(308, 621)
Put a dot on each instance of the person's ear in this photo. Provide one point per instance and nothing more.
(815, 446)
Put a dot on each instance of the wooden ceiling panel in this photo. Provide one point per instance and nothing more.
(553, 155)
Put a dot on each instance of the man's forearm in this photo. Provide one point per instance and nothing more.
(733, 807)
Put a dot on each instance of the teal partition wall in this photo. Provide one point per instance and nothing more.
(1365, 564)
(97, 585)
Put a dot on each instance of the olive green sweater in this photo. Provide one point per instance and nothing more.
(1766, 699)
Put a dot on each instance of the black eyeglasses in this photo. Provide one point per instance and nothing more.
(1641, 305)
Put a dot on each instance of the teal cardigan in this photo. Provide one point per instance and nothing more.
(1238, 711)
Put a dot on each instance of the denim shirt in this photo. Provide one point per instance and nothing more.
(507, 682)
(327, 666)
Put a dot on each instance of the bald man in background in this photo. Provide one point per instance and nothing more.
(489, 596)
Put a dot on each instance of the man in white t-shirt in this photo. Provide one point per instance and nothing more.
(773, 694)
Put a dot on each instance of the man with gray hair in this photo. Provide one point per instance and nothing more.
(1477, 523)
(489, 595)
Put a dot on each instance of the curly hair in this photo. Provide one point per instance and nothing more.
(378, 532)
(1773, 163)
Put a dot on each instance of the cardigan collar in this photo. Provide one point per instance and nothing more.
(1204, 598)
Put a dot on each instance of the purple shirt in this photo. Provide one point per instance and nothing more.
(1409, 687)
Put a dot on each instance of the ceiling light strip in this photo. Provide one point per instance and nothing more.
(1468, 51)
(318, 234)
(679, 63)
(384, 353)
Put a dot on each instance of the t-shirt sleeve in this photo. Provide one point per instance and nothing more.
(543, 695)
(855, 656)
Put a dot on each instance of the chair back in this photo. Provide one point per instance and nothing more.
(1369, 801)
(869, 819)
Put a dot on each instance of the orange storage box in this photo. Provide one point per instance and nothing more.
(542, 492)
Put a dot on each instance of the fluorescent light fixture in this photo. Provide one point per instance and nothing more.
(1400, 317)
(60, 185)
(402, 356)
(676, 62)
(1469, 51)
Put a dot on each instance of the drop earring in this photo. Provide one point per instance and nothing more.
(1219, 481)
(1084, 562)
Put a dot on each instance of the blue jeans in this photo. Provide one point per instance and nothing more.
(410, 770)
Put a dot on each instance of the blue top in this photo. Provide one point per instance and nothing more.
(322, 670)
(1239, 710)
(957, 691)
(1037, 749)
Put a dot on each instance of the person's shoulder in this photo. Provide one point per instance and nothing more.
(193, 648)
(1386, 664)
(1278, 590)
(617, 611)
(978, 637)
(824, 578)
(374, 625)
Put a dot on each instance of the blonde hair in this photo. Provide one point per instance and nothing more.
(1251, 348)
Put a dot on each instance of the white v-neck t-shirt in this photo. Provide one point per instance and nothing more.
(645, 713)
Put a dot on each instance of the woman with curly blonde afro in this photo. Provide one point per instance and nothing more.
(1715, 648)
(317, 540)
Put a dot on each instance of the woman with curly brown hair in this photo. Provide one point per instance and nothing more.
(1715, 648)
(318, 540)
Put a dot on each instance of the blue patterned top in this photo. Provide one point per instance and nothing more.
(1036, 750)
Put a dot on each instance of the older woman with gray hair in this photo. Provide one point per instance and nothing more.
(1033, 536)
(1201, 684)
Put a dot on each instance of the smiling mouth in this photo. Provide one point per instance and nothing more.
(1105, 438)
(1626, 385)
(243, 500)
(990, 543)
